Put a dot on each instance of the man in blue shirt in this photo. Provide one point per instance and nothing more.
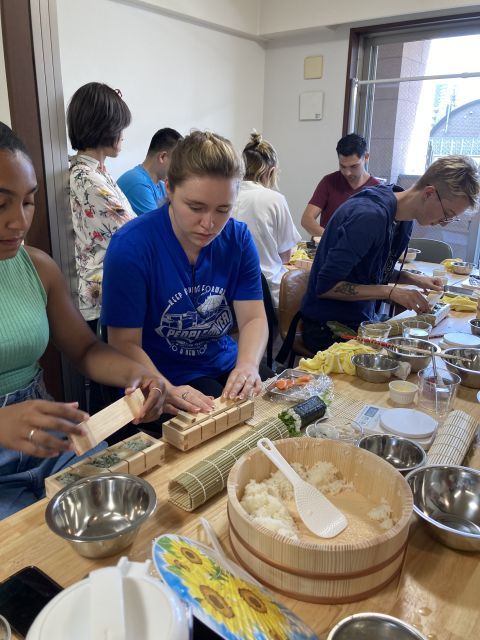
(144, 184)
(355, 263)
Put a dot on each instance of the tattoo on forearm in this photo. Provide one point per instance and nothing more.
(346, 288)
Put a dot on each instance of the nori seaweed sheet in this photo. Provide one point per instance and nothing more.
(308, 410)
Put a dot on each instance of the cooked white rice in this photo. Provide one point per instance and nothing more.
(264, 501)
(382, 514)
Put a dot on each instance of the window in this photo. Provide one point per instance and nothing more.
(415, 98)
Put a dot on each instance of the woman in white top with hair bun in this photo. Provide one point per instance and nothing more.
(266, 212)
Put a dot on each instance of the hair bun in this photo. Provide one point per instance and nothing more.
(255, 137)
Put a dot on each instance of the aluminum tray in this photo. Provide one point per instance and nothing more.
(318, 386)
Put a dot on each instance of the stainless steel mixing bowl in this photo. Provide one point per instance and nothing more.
(475, 326)
(373, 626)
(403, 454)
(447, 499)
(101, 515)
(374, 367)
(469, 372)
(416, 360)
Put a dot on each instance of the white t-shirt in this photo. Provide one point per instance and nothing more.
(268, 218)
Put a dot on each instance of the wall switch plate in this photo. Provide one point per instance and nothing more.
(311, 105)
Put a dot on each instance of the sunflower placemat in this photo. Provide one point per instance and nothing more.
(233, 608)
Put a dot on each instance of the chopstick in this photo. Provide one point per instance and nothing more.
(425, 352)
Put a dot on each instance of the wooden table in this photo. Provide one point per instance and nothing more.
(427, 269)
(438, 590)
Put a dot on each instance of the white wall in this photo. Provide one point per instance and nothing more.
(236, 15)
(283, 16)
(4, 106)
(171, 73)
(306, 149)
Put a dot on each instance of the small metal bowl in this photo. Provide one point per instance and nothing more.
(374, 367)
(475, 326)
(417, 361)
(403, 454)
(371, 626)
(101, 515)
(463, 268)
(447, 499)
(469, 373)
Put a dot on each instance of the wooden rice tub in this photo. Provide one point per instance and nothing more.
(311, 569)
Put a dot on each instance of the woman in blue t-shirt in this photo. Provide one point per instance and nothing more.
(173, 276)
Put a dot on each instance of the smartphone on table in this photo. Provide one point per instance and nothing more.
(23, 595)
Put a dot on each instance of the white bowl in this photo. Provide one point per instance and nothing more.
(411, 254)
(402, 392)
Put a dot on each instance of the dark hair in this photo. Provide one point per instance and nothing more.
(203, 153)
(96, 117)
(9, 141)
(164, 140)
(352, 144)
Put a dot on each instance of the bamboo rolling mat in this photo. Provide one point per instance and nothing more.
(453, 439)
(204, 480)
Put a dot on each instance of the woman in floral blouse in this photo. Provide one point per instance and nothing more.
(96, 119)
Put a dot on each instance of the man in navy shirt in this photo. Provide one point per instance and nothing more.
(144, 184)
(354, 264)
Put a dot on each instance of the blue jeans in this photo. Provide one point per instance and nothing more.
(22, 477)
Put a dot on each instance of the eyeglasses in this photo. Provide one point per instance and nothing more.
(446, 219)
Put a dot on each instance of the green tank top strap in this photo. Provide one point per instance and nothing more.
(24, 330)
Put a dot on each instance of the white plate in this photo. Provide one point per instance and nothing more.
(408, 423)
(461, 340)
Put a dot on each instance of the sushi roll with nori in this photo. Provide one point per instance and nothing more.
(302, 414)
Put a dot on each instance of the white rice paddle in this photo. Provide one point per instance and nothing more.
(317, 512)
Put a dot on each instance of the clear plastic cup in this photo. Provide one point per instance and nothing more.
(436, 395)
(375, 330)
(416, 329)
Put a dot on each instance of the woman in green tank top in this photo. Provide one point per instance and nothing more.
(35, 306)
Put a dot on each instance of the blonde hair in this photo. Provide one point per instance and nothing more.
(260, 158)
(202, 153)
(456, 176)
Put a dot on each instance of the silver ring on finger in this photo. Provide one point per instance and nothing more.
(185, 394)
(31, 434)
(157, 389)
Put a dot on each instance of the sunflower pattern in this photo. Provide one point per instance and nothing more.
(99, 208)
(234, 608)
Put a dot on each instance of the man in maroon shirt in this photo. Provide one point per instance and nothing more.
(335, 188)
